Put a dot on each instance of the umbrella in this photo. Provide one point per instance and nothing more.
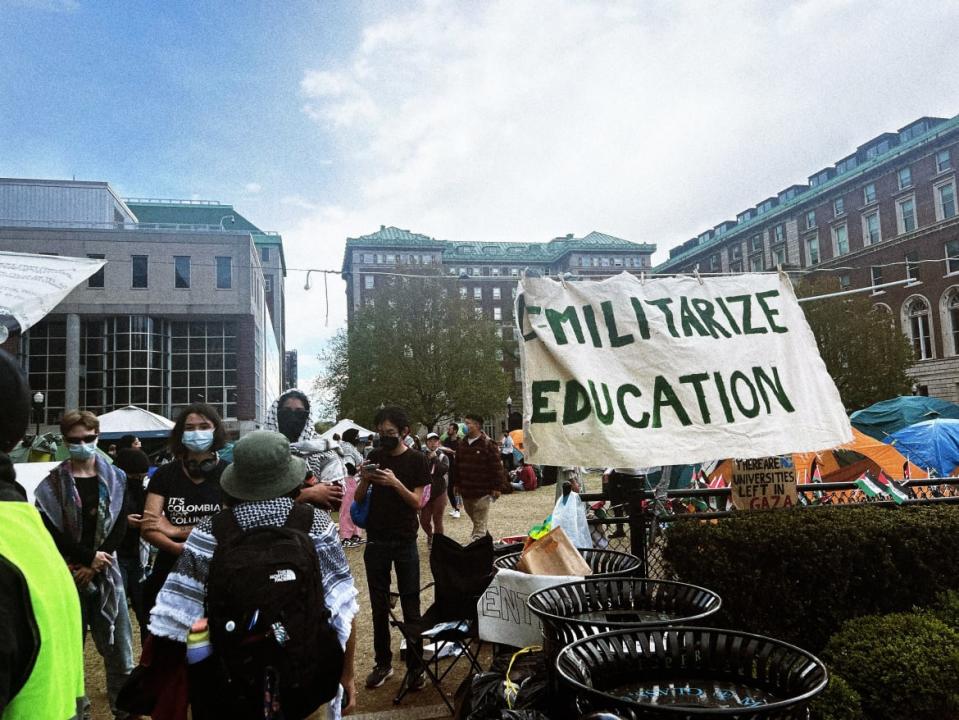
(884, 418)
(931, 444)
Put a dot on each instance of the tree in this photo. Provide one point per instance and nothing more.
(420, 345)
(867, 357)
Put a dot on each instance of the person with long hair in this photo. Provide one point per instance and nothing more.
(182, 492)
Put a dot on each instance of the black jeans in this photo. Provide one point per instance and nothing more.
(380, 557)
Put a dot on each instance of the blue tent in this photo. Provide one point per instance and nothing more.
(930, 444)
(884, 418)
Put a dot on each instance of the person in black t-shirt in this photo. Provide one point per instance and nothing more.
(136, 464)
(182, 492)
(391, 529)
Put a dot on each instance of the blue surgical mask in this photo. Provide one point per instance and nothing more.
(82, 451)
(198, 440)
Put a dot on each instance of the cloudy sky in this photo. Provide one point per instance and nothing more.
(468, 121)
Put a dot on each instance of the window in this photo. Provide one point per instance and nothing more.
(224, 273)
(477, 293)
(604, 261)
(912, 266)
(380, 258)
(497, 313)
(838, 207)
(714, 262)
(463, 292)
(514, 272)
(945, 200)
(812, 251)
(96, 280)
(499, 354)
(264, 254)
(952, 312)
(181, 272)
(427, 259)
(497, 293)
(810, 219)
(756, 263)
(756, 243)
(268, 284)
(779, 255)
(943, 161)
(870, 228)
(369, 282)
(779, 233)
(917, 317)
(906, 215)
(141, 271)
(494, 272)
(876, 275)
(390, 258)
(952, 256)
(905, 178)
(478, 313)
(475, 271)
(618, 262)
(737, 252)
(840, 241)
(368, 258)
(869, 194)
(844, 281)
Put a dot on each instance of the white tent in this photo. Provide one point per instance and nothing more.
(344, 425)
(132, 420)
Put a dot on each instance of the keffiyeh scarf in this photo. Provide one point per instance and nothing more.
(58, 499)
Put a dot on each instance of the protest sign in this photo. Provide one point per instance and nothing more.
(764, 483)
(670, 371)
(504, 617)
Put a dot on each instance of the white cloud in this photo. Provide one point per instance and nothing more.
(253, 188)
(651, 121)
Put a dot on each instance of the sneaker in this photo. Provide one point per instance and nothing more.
(379, 676)
(357, 540)
(416, 683)
(454, 513)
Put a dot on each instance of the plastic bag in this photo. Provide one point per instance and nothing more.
(360, 509)
(487, 699)
(569, 513)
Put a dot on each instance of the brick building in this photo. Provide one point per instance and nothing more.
(488, 272)
(886, 212)
(180, 312)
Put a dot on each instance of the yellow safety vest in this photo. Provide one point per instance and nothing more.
(56, 681)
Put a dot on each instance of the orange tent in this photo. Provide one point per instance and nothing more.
(846, 462)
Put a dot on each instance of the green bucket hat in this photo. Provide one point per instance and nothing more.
(262, 468)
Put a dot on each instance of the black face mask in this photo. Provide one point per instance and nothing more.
(389, 443)
(291, 422)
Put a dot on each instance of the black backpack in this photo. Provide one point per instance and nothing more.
(269, 625)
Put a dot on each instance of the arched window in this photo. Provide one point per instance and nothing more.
(949, 320)
(917, 327)
(883, 309)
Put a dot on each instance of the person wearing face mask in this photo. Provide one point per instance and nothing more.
(182, 492)
(290, 416)
(82, 503)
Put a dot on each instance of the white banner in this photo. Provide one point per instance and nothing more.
(504, 616)
(671, 371)
(32, 285)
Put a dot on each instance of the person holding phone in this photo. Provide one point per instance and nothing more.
(397, 474)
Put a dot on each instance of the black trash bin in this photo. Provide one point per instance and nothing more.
(688, 673)
(604, 563)
(594, 605)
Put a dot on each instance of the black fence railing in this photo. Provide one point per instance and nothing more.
(635, 522)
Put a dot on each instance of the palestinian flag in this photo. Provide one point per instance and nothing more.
(905, 471)
(718, 483)
(865, 484)
(891, 489)
(816, 474)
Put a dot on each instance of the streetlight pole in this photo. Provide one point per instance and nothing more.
(37, 409)
(509, 410)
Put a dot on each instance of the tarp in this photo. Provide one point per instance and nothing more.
(884, 418)
(31, 474)
(844, 463)
(132, 420)
(671, 371)
(32, 285)
(931, 444)
(344, 425)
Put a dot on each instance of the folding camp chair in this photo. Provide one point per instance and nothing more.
(460, 576)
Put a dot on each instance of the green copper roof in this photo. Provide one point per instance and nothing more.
(189, 213)
(803, 198)
(455, 251)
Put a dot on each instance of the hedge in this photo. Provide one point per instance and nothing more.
(837, 702)
(798, 574)
(902, 665)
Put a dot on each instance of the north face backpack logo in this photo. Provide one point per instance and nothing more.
(284, 575)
